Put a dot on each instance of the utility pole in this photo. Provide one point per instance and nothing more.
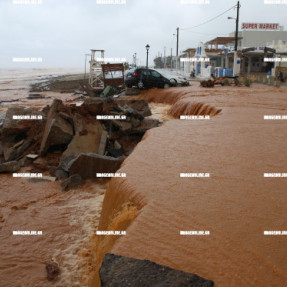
(177, 32)
(236, 32)
(236, 61)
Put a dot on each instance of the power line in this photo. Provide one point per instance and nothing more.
(209, 34)
(210, 19)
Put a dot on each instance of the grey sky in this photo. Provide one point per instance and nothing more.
(62, 31)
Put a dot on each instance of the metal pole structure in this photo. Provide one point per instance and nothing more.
(146, 58)
(236, 60)
(177, 32)
(164, 65)
(236, 31)
(135, 59)
(147, 48)
(171, 59)
(86, 65)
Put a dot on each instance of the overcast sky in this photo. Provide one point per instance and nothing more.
(62, 31)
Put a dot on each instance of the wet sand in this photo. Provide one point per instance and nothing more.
(236, 203)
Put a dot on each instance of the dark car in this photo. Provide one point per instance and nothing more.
(145, 78)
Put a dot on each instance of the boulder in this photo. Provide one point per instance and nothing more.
(52, 270)
(61, 174)
(73, 181)
(15, 151)
(100, 106)
(145, 125)
(10, 166)
(134, 113)
(58, 131)
(87, 165)
(139, 105)
(124, 271)
(91, 141)
(13, 127)
(78, 123)
(123, 125)
(93, 106)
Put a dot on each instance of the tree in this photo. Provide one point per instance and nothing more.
(158, 63)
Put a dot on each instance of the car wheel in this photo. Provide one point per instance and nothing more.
(140, 85)
(173, 81)
(166, 86)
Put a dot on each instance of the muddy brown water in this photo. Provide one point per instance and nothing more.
(66, 220)
(236, 203)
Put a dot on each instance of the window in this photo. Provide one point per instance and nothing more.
(145, 72)
(155, 74)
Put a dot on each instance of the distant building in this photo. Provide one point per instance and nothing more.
(256, 42)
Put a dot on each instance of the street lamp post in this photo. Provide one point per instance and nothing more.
(135, 59)
(147, 48)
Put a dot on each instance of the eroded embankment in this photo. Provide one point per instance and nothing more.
(236, 203)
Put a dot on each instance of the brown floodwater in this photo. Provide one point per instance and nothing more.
(66, 220)
(236, 203)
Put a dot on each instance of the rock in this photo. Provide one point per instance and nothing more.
(100, 106)
(93, 106)
(123, 125)
(71, 182)
(19, 127)
(45, 110)
(135, 122)
(134, 113)
(11, 153)
(53, 270)
(117, 145)
(85, 142)
(35, 96)
(10, 166)
(66, 116)
(40, 164)
(78, 123)
(61, 174)
(87, 165)
(58, 131)
(145, 125)
(124, 271)
(103, 143)
(139, 105)
(115, 152)
(1, 148)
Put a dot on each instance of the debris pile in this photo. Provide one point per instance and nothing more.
(71, 142)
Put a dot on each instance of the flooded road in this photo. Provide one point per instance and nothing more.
(236, 204)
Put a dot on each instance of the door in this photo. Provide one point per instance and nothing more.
(156, 79)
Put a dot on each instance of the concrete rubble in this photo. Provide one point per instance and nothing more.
(72, 142)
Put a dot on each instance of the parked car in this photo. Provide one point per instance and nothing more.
(146, 78)
(176, 80)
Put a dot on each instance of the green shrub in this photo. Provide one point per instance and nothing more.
(247, 82)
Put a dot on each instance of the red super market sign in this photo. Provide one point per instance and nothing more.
(260, 26)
